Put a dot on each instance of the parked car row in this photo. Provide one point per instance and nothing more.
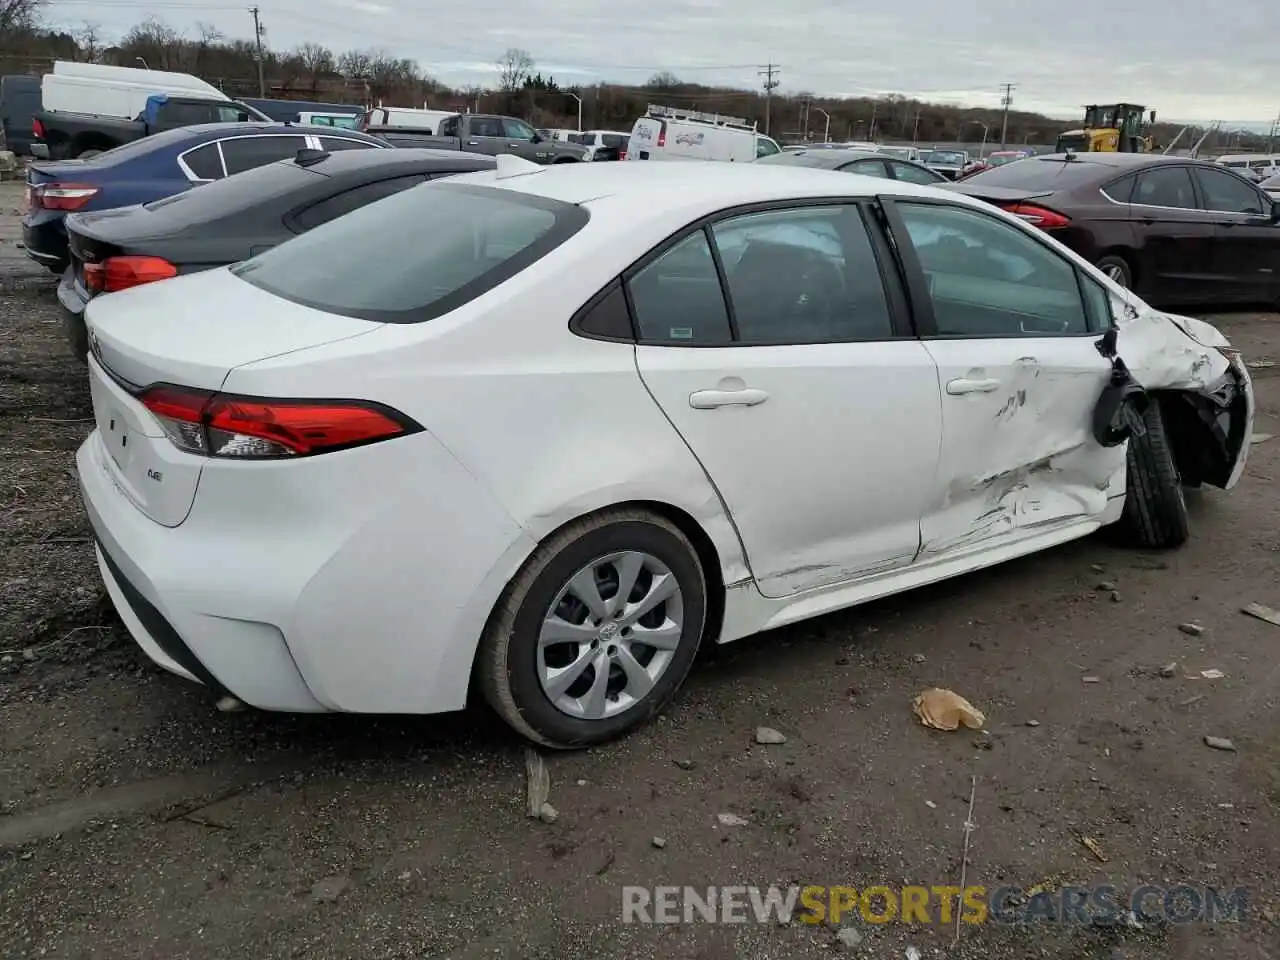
(441, 337)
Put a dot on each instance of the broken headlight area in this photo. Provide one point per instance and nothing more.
(1207, 428)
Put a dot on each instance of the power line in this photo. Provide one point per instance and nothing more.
(768, 71)
(1006, 101)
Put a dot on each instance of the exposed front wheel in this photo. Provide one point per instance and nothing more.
(1155, 507)
(597, 631)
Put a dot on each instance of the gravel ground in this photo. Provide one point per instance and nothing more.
(137, 821)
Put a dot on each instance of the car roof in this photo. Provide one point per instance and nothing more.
(827, 158)
(711, 186)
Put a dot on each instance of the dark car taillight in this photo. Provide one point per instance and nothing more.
(257, 428)
(37, 128)
(121, 273)
(1038, 216)
(64, 196)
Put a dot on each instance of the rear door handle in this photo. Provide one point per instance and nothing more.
(710, 399)
(472, 143)
(957, 388)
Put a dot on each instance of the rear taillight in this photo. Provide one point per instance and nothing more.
(121, 273)
(255, 428)
(1041, 217)
(622, 154)
(662, 136)
(64, 196)
(37, 128)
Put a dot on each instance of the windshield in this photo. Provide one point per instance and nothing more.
(478, 237)
(902, 153)
(945, 157)
(1077, 143)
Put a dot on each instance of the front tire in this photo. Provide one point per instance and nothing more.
(1155, 507)
(597, 631)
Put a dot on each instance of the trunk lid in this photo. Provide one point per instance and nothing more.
(190, 331)
(195, 329)
(996, 195)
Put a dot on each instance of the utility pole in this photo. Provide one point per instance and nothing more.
(1275, 130)
(770, 84)
(871, 131)
(1006, 101)
(257, 36)
(915, 131)
(804, 119)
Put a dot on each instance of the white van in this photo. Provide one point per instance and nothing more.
(406, 118)
(1253, 166)
(346, 121)
(116, 91)
(670, 133)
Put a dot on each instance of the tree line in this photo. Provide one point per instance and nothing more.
(311, 71)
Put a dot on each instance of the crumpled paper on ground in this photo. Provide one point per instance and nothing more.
(947, 710)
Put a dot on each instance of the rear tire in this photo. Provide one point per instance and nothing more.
(1117, 268)
(566, 678)
(86, 154)
(1155, 508)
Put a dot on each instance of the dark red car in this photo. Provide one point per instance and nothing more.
(1175, 230)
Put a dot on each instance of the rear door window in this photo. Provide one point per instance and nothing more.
(203, 163)
(437, 249)
(910, 173)
(1121, 191)
(1226, 193)
(361, 196)
(868, 168)
(246, 153)
(678, 298)
(1165, 187)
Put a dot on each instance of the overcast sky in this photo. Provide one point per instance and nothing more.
(1187, 59)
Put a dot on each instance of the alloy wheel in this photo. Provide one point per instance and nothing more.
(609, 635)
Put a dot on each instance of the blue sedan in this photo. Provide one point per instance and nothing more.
(156, 167)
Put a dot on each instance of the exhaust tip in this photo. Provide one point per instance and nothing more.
(231, 705)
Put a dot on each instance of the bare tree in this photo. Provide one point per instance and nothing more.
(514, 68)
(665, 80)
(17, 16)
(355, 63)
(89, 41)
(317, 61)
(154, 42)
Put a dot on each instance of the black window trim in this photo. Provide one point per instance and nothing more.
(569, 219)
(917, 284)
(890, 280)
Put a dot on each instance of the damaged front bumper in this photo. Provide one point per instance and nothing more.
(1212, 426)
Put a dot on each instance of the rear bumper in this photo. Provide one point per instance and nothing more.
(246, 659)
(313, 592)
(46, 242)
(72, 299)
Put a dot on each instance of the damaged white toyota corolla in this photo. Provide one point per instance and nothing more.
(542, 431)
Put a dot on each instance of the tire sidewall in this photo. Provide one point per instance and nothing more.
(521, 661)
(1127, 282)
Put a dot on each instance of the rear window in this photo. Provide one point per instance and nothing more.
(213, 201)
(417, 255)
(1038, 174)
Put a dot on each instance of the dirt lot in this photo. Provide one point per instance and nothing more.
(135, 821)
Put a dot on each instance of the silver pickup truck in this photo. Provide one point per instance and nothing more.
(484, 133)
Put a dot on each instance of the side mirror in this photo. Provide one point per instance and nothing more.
(536, 138)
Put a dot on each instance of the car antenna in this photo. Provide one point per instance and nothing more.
(309, 156)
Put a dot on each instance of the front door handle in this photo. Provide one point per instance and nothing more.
(958, 388)
(711, 399)
(472, 143)
(515, 146)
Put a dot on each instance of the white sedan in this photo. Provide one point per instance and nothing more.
(544, 431)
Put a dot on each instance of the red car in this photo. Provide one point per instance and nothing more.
(996, 159)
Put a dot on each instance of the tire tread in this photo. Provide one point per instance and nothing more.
(1155, 511)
